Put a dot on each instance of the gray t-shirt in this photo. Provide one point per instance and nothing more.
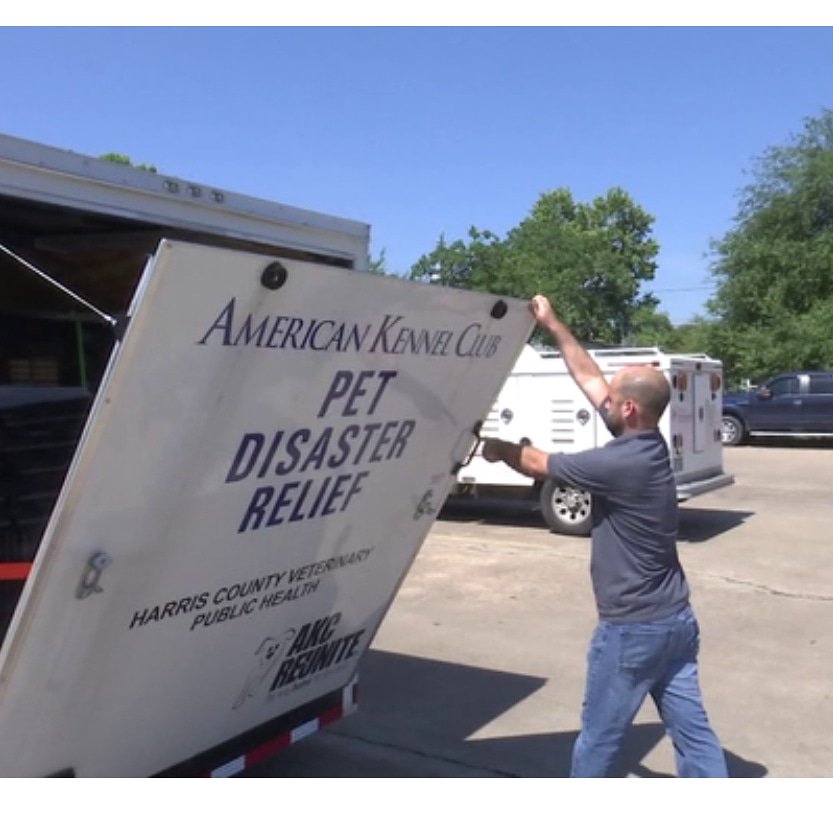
(636, 573)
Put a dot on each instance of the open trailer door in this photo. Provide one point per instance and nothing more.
(264, 458)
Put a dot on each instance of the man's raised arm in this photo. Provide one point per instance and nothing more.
(579, 362)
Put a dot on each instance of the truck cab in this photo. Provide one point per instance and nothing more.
(796, 403)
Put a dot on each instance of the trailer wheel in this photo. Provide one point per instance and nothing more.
(566, 510)
(731, 430)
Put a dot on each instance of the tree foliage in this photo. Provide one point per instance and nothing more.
(773, 307)
(121, 159)
(774, 302)
(589, 259)
(472, 264)
(378, 265)
(650, 328)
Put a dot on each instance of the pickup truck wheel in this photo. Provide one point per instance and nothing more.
(566, 510)
(731, 430)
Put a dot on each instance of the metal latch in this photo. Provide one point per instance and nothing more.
(89, 584)
(472, 451)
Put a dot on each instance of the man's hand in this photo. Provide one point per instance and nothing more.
(542, 312)
(492, 450)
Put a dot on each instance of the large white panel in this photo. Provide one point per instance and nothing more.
(259, 470)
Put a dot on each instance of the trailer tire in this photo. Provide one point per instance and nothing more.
(566, 509)
(732, 431)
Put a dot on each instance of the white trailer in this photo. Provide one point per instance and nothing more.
(216, 465)
(541, 405)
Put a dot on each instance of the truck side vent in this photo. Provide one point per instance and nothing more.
(562, 421)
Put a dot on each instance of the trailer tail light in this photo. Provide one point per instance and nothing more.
(716, 382)
(680, 381)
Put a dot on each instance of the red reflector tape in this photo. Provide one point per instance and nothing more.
(14, 570)
(271, 747)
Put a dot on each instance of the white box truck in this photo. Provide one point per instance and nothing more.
(541, 405)
(222, 444)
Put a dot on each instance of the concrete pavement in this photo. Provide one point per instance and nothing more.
(478, 669)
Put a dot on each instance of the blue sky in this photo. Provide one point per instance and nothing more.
(424, 131)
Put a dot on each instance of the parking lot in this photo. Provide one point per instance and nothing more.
(478, 669)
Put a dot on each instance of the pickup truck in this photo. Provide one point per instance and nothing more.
(794, 404)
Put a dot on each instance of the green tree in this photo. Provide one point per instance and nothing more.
(775, 266)
(472, 264)
(121, 159)
(378, 265)
(650, 328)
(696, 336)
(589, 259)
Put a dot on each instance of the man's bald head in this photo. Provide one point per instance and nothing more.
(647, 387)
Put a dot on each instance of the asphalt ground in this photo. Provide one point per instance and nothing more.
(478, 669)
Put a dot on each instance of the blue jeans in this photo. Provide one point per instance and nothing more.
(625, 663)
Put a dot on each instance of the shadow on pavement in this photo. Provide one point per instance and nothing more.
(416, 719)
(702, 524)
(695, 524)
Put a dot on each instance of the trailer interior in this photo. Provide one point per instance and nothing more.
(54, 350)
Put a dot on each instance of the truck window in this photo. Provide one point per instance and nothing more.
(821, 384)
(784, 386)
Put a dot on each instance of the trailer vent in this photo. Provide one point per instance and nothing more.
(562, 421)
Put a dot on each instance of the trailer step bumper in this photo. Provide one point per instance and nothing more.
(700, 487)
